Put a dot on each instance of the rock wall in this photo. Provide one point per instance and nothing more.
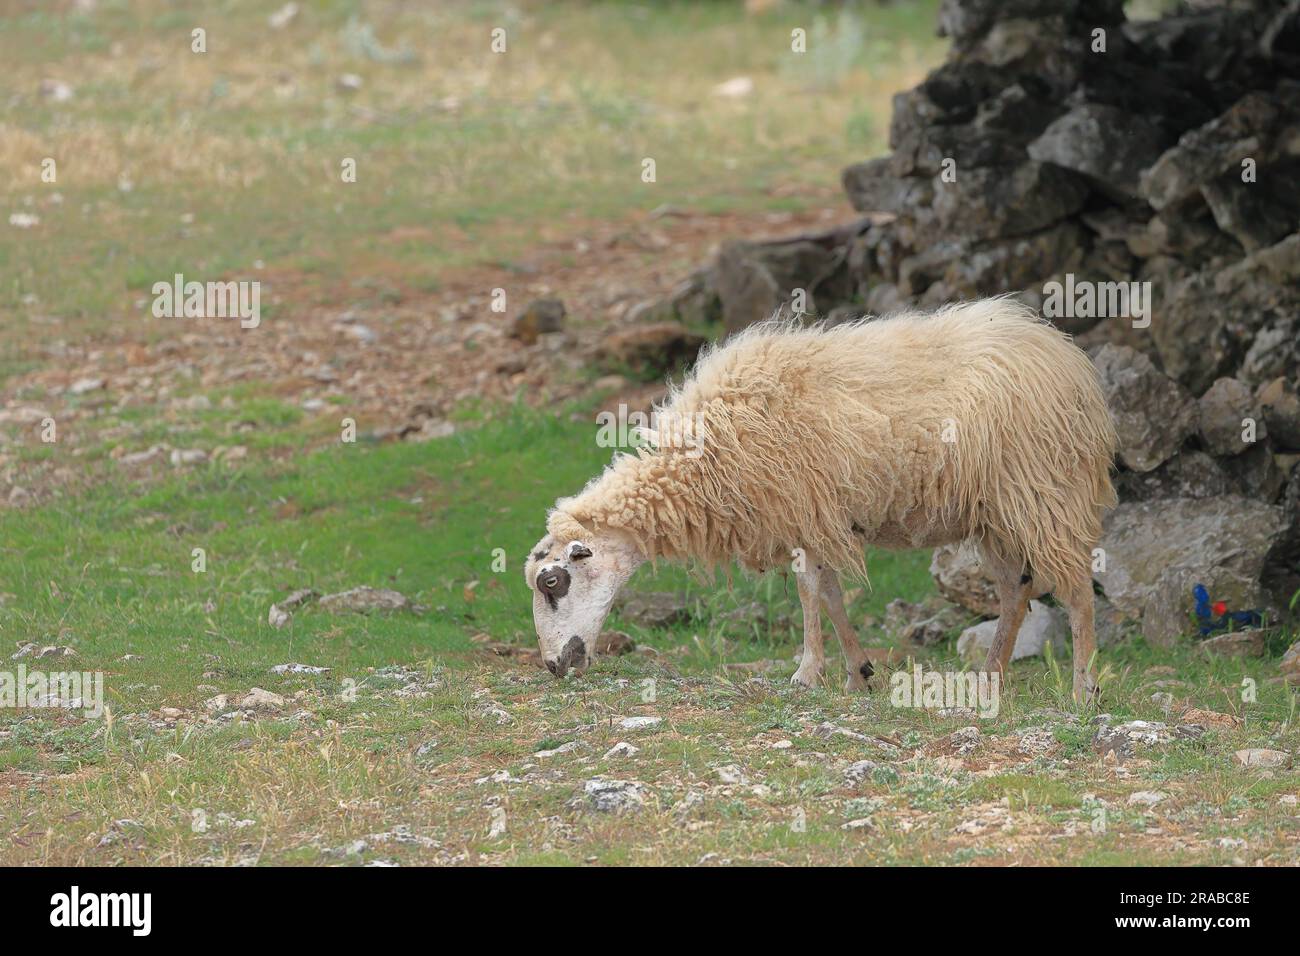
(1137, 182)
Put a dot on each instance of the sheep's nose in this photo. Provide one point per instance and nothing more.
(558, 668)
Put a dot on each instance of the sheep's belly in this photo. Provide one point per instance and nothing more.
(921, 533)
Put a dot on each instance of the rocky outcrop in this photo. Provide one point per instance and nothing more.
(1134, 180)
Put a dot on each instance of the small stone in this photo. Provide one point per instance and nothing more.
(1248, 643)
(734, 88)
(282, 18)
(364, 599)
(56, 90)
(964, 741)
(1123, 740)
(299, 669)
(614, 644)
(569, 747)
(141, 457)
(639, 723)
(1146, 798)
(652, 608)
(614, 796)
(83, 385)
(1043, 625)
(856, 773)
(622, 749)
(732, 774)
(188, 456)
(259, 699)
(1291, 664)
(1258, 758)
(540, 317)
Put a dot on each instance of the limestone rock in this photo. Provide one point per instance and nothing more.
(1043, 625)
(1152, 414)
(1156, 551)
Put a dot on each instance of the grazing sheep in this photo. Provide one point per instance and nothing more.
(977, 422)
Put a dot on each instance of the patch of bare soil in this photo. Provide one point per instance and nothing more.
(395, 359)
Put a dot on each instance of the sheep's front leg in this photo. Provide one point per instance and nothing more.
(855, 658)
(809, 673)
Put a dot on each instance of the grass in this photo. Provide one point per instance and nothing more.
(391, 756)
(419, 745)
(172, 161)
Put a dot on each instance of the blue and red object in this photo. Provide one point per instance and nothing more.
(1216, 616)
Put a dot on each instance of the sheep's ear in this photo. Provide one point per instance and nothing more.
(579, 551)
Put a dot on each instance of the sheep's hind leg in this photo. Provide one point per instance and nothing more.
(1078, 601)
(809, 673)
(855, 658)
(1014, 588)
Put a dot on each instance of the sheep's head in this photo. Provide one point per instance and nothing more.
(574, 583)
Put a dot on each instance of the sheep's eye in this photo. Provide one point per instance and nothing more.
(579, 552)
(551, 581)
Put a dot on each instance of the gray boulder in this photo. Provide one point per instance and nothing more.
(1274, 352)
(960, 578)
(1222, 413)
(1152, 414)
(1281, 407)
(753, 280)
(1209, 320)
(1156, 551)
(655, 347)
(1107, 145)
(1189, 474)
(1255, 127)
(876, 186)
(986, 203)
(1022, 262)
(1043, 625)
(1251, 212)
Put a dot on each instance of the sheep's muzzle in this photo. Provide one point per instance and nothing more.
(574, 653)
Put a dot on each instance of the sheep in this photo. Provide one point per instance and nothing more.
(980, 421)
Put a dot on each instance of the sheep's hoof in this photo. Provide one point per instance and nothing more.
(856, 682)
(807, 679)
(1086, 691)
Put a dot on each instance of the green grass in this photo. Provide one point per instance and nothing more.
(418, 739)
(111, 572)
(411, 714)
